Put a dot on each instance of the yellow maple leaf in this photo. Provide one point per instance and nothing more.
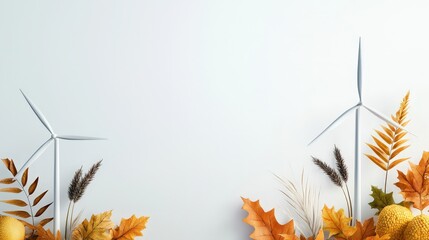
(129, 228)
(97, 228)
(336, 223)
(265, 223)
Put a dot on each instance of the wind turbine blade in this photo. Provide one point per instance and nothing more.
(38, 113)
(380, 116)
(71, 137)
(334, 122)
(359, 73)
(35, 156)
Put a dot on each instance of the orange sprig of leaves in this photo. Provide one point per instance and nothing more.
(415, 184)
(265, 223)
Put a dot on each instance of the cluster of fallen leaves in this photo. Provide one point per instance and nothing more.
(335, 223)
(98, 227)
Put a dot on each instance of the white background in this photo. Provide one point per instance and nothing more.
(203, 100)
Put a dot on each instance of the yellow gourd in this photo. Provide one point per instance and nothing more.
(393, 220)
(11, 229)
(418, 228)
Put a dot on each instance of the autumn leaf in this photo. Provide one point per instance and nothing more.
(289, 237)
(336, 223)
(376, 237)
(47, 234)
(265, 223)
(97, 228)
(367, 229)
(10, 165)
(320, 236)
(41, 233)
(381, 199)
(129, 228)
(390, 141)
(415, 184)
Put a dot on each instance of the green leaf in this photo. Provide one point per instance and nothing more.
(381, 199)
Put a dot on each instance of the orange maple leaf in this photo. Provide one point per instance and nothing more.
(376, 237)
(43, 234)
(129, 228)
(320, 236)
(367, 229)
(336, 223)
(415, 185)
(265, 223)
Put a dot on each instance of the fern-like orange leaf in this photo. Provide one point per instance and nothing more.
(390, 141)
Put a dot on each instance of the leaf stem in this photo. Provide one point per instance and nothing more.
(28, 200)
(350, 200)
(385, 180)
(347, 201)
(67, 220)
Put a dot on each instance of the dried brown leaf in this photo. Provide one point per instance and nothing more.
(33, 186)
(38, 198)
(21, 214)
(7, 181)
(12, 168)
(42, 210)
(15, 202)
(11, 190)
(45, 221)
(24, 177)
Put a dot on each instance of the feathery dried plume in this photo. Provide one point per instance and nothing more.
(303, 202)
(330, 172)
(74, 184)
(86, 180)
(341, 164)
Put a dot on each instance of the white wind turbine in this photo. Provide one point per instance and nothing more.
(357, 161)
(54, 137)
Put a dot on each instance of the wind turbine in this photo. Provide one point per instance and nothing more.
(357, 161)
(55, 138)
